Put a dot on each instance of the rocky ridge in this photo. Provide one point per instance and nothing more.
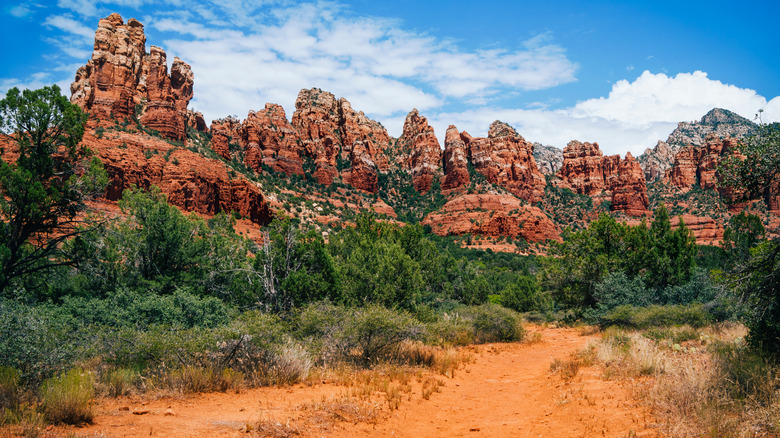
(121, 80)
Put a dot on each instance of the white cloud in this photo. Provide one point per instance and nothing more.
(381, 68)
(68, 24)
(633, 117)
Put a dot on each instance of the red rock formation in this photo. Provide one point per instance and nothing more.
(163, 111)
(582, 169)
(506, 159)
(191, 181)
(270, 139)
(357, 128)
(223, 132)
(699, 164)
(629, 192)
(196, 121)
(342, 142)
(586, 171)
(317, 121)
(420, 151)
(120, 76)
(705, 229)
(456, 172)
(493, 215)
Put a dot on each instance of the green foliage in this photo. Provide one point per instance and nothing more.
(659, 256)
(694, 315)
(44, 191)
(66, 398)
(523, 295)
(756, 279)
(10, 389)
(493, 323)
(744, 232)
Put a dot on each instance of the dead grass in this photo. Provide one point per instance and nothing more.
(706, 383)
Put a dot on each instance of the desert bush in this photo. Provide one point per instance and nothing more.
(694, 315)
(66, 398)
(120, 381)
(493, 323)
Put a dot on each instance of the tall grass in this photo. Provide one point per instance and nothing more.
(66, 398)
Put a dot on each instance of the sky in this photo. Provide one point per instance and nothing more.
(619, 73)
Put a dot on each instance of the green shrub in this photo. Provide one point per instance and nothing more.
(66, 398)
(522, 295)
(121, 381)
(694, 315)
(494, 323)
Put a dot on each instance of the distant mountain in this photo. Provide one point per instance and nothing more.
(721, 122)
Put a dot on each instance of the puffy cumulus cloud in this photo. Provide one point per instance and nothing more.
(658, 97)
(634, 116)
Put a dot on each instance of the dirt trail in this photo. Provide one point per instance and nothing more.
(507, 390)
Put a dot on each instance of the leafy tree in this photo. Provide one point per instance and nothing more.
(753, 173)
(672, 253)
(522, 295)
(745, 231)
(44, 191)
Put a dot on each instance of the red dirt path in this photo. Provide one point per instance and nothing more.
(507, 391)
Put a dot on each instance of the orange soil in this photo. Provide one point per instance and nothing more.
(507, 390)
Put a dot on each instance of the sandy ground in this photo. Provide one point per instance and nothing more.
(506, 391)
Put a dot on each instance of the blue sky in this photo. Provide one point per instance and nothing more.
(618, 73)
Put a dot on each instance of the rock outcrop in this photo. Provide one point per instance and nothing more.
(223, 133)
(698, 164)
(190, 181)
(492, 215)
(548, 158)
(419, 151)
(456, 171)
(587, 171)
(505, 158)
(121, 80)
(655, 161)
(341, 141)
(629, 191)
(268, 138)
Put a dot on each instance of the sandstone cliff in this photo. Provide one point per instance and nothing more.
(506, 159)
(456, 172)
(121, 80)
(548, 158)
(419, 152)
(492, 215)
(587, 171)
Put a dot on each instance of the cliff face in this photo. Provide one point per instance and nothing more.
(698, 164)
(419, 152)
(268, 138)
(223, 132)
(120, 76)
(456, 171)
(492, 215)
(548, 158)
(587, 171)
(505, 158)
(340, 140)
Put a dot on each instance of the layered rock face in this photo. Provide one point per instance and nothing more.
(120, 75)
(223, 132)
(629, 191)
(420, 152)
(492, 215)
(548, 158)
(334, 134)
(587, 171)
(698, 164)
(456, 171)
(268, 138)
(505, 158)
(655, 161)
(190, 181)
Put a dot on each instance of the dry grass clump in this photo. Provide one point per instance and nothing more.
(567, 369)
(66, 398)
(707, 382)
